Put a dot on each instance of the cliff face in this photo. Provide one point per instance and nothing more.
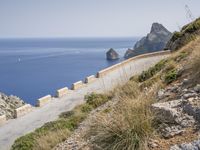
(156, 40)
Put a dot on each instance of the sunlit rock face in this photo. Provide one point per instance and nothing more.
(156, 40)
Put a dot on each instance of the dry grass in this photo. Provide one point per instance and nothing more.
(195, 65)
(129, 125)
(49, 140)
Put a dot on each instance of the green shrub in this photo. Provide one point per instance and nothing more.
(86, 108)
(186, 35)
(176, 35)
(171, 76)
(96, 100)
(152, 71)
(26, 142)
(194, 26)
(66, 114)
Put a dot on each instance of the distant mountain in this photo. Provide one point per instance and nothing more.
(156, 40)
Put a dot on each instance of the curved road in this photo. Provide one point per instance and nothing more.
(15, 128)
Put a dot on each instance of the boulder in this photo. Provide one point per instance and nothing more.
(112, 54)
(173, 120)
(197, 88)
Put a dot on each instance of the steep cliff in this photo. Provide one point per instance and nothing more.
(156, 40)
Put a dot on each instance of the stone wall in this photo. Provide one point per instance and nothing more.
(2, 119)
(21, 111)
(77, 85)
(90, 79)
(61, 92)
(43, 101)
(116, 66)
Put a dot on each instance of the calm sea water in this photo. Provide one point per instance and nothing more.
(31, 68)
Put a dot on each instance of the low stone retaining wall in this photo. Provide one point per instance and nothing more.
(109, 69)
(90, 79)
(2, 119)
(77, 85)
(61, 92)
(43, 101)
(21, 111)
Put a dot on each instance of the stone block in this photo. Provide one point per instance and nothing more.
(2, 119)
(43, 100)
(77, 85)
(21, 111)
(90, 79)
(61, 92)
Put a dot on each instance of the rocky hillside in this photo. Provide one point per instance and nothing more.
(187, 34)
(154, 41)
(157, 110)
(8, 104)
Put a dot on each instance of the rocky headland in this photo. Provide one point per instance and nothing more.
(156, 40)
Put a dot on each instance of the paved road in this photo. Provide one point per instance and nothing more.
(17, 127)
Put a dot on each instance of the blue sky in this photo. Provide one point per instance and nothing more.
(90, 18)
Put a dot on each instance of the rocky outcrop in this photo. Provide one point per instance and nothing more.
(179, 110)
(156, 40)
(8, 104)
(112, 54)
(129, 53)
(186, 34)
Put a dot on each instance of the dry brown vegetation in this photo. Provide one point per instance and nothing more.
(131, 123)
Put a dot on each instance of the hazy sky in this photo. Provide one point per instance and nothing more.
(90, 18)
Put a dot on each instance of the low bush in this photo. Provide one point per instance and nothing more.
(96, 100)
(171, 76)
(176, 35)
(24, 143)
(192, 27)
(152, 71)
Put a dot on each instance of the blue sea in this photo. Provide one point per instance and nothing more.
(32, 68)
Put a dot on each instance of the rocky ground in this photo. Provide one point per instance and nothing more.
(8, 104)
(178, 112)
(77, 140)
